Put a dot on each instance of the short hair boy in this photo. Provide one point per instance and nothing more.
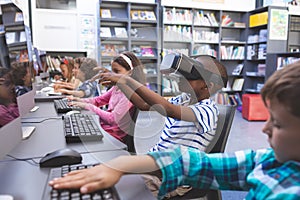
(191, 117)
(272, 173)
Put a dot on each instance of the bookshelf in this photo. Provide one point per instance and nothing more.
(294, 33)
(264, 35)
(15, 32)
(277, 61)
(196, 31)
(132, 26)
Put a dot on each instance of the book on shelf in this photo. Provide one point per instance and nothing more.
(238, 84)
(150, 15)
(121, 32)
(22, 36)
(105, 32)
(10, 37)
(134, 14)
(147, 51)
(108, 50)
(19, 17)
(238, 69)
(105, 13)
(142, 15)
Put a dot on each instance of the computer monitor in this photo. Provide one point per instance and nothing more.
(22, 73)
(10, 122)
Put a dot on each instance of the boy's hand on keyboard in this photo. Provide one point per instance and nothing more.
(88, 180)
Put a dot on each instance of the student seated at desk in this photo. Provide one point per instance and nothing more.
(21, 76)
(191, 118)
(116, 119)
(85, 72)
(271, 173)
(66, 66)
(8, 105)
(75, 83)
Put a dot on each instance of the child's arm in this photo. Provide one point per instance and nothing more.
(105, 175)
(189, 166)
(138, 93)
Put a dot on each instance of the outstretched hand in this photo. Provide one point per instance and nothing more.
(88, 180)
(114, 78)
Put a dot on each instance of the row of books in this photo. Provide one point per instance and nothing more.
(116, 49)
(261, 37)
(113, 32)
(256, 51)
(205, 36)
(232, 52)
(205, 19)
(228, 99)
(112, 49)
(295, 23)
(169, 86)
(228, 21)
(283, 61)
(14, 37)
(204, 50)
(178, 33)
(135, 14)
(184, 51)
(178, 16)
(142, 15)
(237, 85)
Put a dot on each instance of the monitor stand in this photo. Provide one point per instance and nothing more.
(27, 131)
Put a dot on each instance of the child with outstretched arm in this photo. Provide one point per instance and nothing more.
(272, 173)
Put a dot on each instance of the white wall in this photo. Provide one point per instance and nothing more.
(233, 5)
(66, 30)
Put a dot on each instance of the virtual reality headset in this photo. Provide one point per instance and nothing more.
(203, 68)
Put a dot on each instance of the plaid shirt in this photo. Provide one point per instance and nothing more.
(89, 88)
(255, 171)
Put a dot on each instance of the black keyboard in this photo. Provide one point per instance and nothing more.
(81, 127)
(61, 106)
(50, 193)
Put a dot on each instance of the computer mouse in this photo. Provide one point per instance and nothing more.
(61, 157)
(73, 112)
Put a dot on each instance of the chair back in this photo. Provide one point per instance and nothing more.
(129, 139)
(225, 119)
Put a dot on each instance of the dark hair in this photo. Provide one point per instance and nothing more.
(87, 66)
(284, 85)
(4, 71)
(137, 66)
(19, 71)
(216, 72)
(79, 60)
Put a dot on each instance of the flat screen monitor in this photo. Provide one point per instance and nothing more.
(10, 122)
(22, 73)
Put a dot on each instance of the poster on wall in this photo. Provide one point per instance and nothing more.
(278, 24)
(209, 1)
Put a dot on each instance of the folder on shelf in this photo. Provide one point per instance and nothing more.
(238, 84)
(105, 13)
(258, 19)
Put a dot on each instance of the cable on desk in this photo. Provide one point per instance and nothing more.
(40, 120)
(30, 161)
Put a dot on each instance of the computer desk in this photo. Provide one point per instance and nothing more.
(49, 136)
(28, 181)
